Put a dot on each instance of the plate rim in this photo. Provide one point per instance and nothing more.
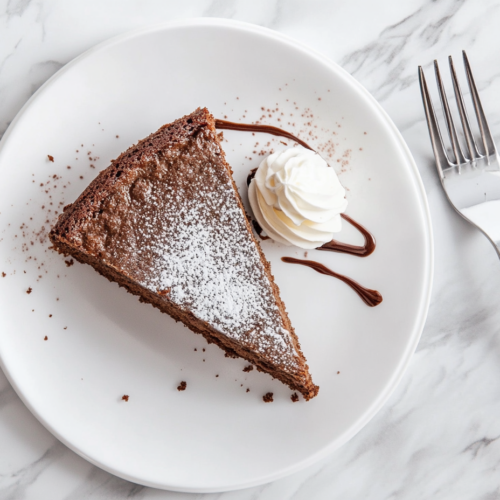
(425, 295)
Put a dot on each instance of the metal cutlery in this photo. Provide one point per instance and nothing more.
(469, 169)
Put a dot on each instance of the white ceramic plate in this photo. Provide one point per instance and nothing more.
(214, 436)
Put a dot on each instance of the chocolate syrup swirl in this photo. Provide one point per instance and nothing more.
(371, 298)
(359, 251)
(255, 224)
(259, 230)
(250, 176)
(268, 129)
(334, 245)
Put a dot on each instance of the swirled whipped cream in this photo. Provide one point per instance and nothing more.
(297, 198)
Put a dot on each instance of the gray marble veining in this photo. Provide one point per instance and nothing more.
(439, 434)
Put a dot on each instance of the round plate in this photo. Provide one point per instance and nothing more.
(102, 344)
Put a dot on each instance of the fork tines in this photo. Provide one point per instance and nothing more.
(472, 152)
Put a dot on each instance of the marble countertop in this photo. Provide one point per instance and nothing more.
(438, 435)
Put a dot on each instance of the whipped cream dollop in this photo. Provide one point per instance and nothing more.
(297, 198)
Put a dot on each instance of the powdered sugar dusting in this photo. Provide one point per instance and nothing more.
(184, 236)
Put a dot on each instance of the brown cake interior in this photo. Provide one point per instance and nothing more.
(166, 222)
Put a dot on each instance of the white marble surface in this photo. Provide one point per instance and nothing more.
(438, 435)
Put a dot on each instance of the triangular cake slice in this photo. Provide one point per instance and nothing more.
(166, 222)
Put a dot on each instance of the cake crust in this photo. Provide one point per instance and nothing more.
(165, 221)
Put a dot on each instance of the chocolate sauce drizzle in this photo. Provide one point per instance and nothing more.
(268, 129)
(359, 251)
(371, 298)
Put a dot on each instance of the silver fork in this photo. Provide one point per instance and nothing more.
(470, 176)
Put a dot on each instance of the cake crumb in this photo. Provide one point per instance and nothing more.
(69, 262)
(195, 349)
(305, 255)
(182, 386)
(50, 315)
(216, 375)
(248, 390)
(268, 398)
(248, 368)
(46, 338)
(117, 136)
(203, 349)
(29, 290)
(338, 373)
(3, 275)
(51, 158)
(294, 397)
(125, 397)
(164, 293)
(65, 328)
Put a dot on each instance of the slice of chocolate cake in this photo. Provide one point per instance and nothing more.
(166, 222)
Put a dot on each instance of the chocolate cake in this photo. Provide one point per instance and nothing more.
(166, 222)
